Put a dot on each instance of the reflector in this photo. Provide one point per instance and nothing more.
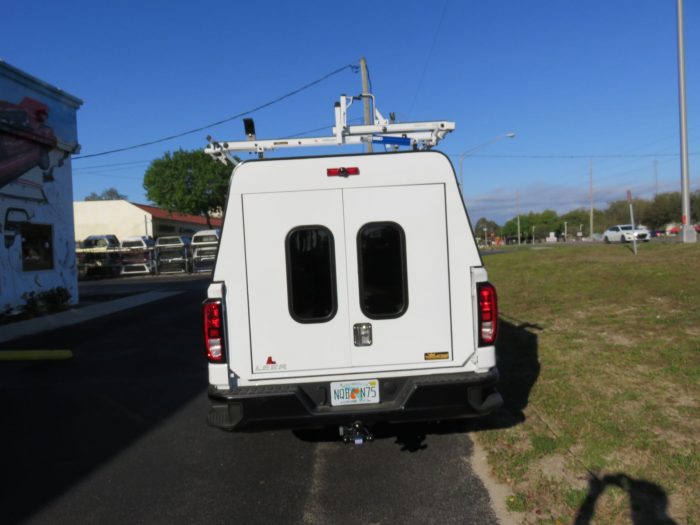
(342, 172)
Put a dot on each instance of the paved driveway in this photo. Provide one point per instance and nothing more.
(118, 435)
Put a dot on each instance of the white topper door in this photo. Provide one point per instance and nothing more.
(297, 290)
(398, 280)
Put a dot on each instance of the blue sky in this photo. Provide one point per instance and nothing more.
(575, 80)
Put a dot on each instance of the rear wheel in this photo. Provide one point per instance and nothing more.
(607, 241)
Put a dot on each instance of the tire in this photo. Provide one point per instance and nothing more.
(606, 240)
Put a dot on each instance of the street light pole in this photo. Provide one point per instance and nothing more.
(688, 232)
(468, 152)
(517, 209)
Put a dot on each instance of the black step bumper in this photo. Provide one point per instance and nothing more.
(420, 398)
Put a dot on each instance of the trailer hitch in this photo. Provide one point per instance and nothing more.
(356, 433)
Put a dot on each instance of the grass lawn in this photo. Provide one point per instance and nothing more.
(600, 358)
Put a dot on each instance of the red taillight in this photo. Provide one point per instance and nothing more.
(342, 172)
(488, 314)
(213, 331)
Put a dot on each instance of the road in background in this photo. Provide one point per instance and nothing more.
(118, 435)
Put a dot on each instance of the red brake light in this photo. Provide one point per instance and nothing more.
(488, 314)
(213, 331)
(342, 172)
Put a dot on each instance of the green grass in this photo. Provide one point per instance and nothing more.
(600, 352)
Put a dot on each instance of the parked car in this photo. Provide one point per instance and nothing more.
(626, 233)
(173, 255)
(138, 255)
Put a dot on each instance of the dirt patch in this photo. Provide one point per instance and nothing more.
(556, 467)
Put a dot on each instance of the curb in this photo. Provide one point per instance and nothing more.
(72, 317)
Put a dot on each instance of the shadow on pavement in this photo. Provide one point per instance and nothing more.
(648, 501)
(519, 368)
(62, 420)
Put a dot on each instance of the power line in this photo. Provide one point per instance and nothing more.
(604, 156)
(430, 55)
(128, 165)
(353, 67)
(308, 131)
(81, 168)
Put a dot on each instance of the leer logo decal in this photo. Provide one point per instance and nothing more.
(270, 366)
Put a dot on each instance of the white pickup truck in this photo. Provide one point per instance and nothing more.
(348, 290)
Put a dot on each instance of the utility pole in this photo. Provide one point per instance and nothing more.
(365, 98)
(517, 207)
(656, 178)
(688, 232)
(590, 178)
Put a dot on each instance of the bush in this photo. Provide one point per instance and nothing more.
(5, 313)
(53, 300)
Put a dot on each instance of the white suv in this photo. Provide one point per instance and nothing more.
(626, 233)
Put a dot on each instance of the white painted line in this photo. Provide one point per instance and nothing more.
(79, 315)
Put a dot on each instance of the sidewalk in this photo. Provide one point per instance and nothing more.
(77, 315)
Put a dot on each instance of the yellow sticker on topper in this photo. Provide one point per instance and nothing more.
(434, 356)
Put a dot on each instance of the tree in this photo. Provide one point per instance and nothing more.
(110, 194)
(484, 224)
(187, 182)
(664, 209)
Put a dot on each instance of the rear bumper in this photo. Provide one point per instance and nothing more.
(418, 398)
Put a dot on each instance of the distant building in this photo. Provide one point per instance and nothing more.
(38, 134)
(126, 219)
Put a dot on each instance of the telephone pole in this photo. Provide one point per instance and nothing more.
(590, 178)
(688, 232)
(365, 99)
(517, 207)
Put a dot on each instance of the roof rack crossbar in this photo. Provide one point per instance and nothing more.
(416, 135)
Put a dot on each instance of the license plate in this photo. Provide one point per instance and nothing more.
(354, 392)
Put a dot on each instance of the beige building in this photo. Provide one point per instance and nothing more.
(126, 219)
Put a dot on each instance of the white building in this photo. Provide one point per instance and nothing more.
(126, 219)
(38, 134)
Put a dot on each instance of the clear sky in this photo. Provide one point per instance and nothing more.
(575, 80)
